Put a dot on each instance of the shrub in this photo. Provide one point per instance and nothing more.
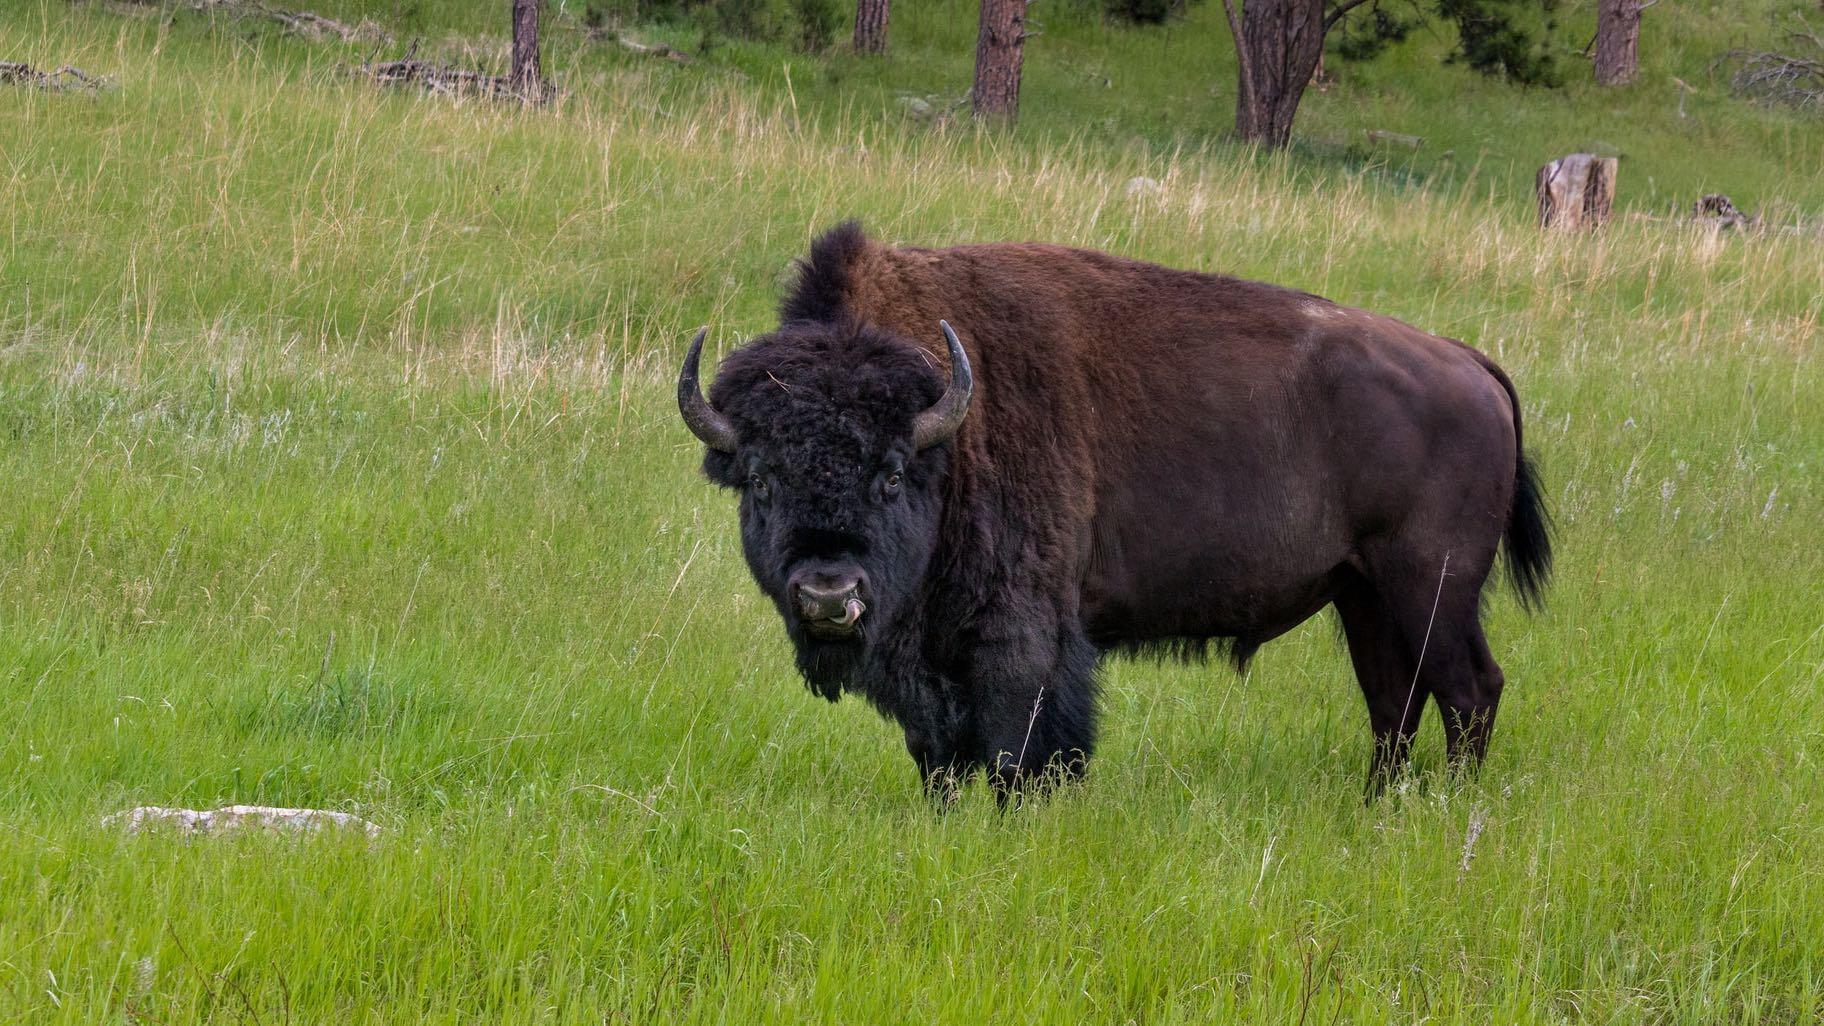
(817, 22)
(1505, 37)
(1144, 12)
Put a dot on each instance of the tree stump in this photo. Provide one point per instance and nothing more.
(1577, 191)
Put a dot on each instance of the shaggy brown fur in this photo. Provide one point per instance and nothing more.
(1153, 459)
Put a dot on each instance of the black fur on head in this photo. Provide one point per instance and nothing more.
(830, 484)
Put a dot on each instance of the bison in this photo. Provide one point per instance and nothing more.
(1109, 455)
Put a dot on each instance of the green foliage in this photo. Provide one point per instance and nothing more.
(1145, 12)
(1367, 32)
(1512, 38)
(817, 23)
(745, 19)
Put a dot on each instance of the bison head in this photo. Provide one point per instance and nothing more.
(835, 437)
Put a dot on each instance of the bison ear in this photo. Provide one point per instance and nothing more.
(703, 420)
(941, 421)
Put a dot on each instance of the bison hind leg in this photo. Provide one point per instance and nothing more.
(1414, 629)
(1469, 700)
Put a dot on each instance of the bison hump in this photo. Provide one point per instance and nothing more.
(823, 284)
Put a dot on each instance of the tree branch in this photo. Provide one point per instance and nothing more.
(1241, 55)
(1344, 8)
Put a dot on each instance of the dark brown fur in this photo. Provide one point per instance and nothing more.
(1160, 459)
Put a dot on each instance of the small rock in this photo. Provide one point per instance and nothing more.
(1141, 186)
(916, 106)
(238, 817)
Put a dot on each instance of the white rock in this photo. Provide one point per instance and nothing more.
(238, 817)
(1141, 186)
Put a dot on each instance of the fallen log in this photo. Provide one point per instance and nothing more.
(660, 50)
(1411, 142)
(63, 79)
(1719, 210)
(445, 80)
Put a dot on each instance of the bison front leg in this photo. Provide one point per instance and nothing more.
(940, 769)
(935, 727)
(1036, 714)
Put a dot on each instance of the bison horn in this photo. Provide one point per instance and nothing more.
(702, 418)
(940, 422)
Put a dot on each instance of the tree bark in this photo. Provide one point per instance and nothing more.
(1577, 191)
(527, 78)
(1278, 44)
(1617, 40)
(999, 51)
(871, 26)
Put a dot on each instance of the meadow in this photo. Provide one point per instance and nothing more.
(339, 467)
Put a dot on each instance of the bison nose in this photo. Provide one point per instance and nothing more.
(829, 598)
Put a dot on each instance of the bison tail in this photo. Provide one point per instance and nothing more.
(1529, 535)
(1529, 524)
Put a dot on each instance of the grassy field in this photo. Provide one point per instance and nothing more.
(1163, 90)
(340, 469)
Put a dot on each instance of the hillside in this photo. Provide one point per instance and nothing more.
(1165, 89)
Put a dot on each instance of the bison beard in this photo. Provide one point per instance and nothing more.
(1142, 459)
(827, 666)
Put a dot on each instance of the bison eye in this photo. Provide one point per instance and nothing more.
(757, 487)
(892, 483)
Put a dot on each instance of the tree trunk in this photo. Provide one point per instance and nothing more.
(1278, 44)
(871, 26)
(526, 78)
(999, 50)
(1617, 40)
(1577, 191)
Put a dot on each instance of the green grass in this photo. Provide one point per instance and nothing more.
(341, 470)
